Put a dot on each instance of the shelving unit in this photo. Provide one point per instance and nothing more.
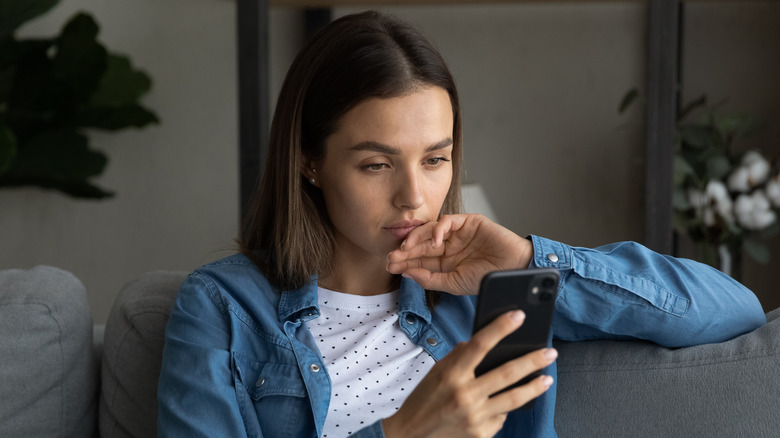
(661, 89)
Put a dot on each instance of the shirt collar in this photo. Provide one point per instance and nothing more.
(299, 301)
(413, 300)
(303, 301)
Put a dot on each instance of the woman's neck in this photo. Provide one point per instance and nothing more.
(359, 278)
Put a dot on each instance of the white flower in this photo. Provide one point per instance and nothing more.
(716, 191)
(773, 190)
(758, 167)
(751, 172)
(714, 199)
(697, 198)
(739, 180)
(754, 211)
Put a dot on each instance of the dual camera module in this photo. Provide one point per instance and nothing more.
(543, 289)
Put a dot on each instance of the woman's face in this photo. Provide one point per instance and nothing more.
(387, 169)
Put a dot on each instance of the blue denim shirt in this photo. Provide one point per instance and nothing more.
(239, 360)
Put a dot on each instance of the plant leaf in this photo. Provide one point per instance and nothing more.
(32, 74)
(80, 61)
(15, 12)
(758, 251)
(121, 84)
(680, 199)
(732, 124)
(627, 100)
(113, 119)
(690, 106)
(7, 148)
(770, 231)
(698, 136)
(718, 167)
(62, 155)
(681, 170)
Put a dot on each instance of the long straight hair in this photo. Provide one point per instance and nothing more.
(287, 231)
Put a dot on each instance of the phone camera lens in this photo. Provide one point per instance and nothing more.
(548, 283)
(545, 296)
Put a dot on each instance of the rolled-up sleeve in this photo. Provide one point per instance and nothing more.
(626, 291)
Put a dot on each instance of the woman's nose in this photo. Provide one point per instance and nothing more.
(409, 191)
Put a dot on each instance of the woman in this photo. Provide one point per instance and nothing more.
(326, 324)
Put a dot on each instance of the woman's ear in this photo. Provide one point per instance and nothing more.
(309, 171)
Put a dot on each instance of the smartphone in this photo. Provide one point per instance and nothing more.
(534, 292)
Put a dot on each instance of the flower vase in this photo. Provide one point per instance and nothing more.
(730, 259)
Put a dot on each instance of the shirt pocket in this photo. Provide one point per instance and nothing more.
(272, 398)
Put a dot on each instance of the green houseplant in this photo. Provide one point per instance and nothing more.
(52, 90)
(726, 199)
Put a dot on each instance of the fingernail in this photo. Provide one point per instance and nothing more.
(405, 275)
(517, 315)
(403, 246)
(550, 354)
(547, 381)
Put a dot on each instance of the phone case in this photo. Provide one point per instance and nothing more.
(532, 290)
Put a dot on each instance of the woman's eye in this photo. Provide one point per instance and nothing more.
(375, 166)
(436, 161)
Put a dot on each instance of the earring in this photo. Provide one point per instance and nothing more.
(312, 180)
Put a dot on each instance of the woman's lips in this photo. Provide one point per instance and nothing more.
(402, 229)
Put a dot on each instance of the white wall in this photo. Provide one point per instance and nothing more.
(540, 84)
(176, 183)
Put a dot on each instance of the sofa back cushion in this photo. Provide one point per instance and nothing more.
(48, 374)
(132, 354)
(638, 389)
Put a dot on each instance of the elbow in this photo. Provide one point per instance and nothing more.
(732, 320)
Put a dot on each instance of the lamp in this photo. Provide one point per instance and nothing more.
(475, 201)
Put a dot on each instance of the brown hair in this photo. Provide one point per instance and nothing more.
(287, 232)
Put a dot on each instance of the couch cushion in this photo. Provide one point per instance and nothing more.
(132, 354)
(608, 388)
(48, 376)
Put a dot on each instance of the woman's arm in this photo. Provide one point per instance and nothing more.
(196, 392)
(618, 291)
(624, 290)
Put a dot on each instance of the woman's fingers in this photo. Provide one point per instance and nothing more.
(516, 397)
(513, 371)
(475, 350)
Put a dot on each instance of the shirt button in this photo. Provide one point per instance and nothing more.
(260, 382)
(432, 342)
(314, 367)
(552, 257)
(409, 319)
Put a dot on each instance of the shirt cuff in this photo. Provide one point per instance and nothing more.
(550, 254)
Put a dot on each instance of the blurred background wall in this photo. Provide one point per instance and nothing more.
(540, 84)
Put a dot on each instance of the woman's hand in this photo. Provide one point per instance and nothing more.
(451, 402)
(453, 254)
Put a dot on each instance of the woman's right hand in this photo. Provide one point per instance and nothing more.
(451, 402)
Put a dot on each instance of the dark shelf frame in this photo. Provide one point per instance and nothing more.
(661, 89)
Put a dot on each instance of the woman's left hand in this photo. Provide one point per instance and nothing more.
(453, 254)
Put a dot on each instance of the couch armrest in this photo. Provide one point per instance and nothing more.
(48, 378)
(618, 388)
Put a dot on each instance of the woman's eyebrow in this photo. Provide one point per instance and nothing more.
(391, 150)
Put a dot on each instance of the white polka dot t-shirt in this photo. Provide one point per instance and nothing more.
(372, 364)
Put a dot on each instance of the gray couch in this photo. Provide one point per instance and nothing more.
(61, 376)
